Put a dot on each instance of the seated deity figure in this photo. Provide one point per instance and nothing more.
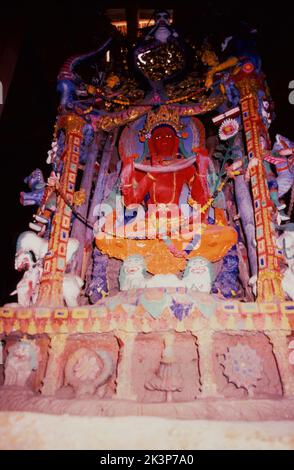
(167, 182)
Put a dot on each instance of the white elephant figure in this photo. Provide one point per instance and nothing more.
(29, 241)
(27, 289)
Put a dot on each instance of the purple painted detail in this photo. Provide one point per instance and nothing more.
(98, 287)
(227, 280)
(36, 183)
(68, 79)
(179, 310)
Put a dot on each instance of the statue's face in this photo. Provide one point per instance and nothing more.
(163, 145)
(162, 18)
(133, 265)
(198, 266)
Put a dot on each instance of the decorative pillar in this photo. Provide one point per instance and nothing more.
(279, 340)
(269, 282)
(53, 378)
(51, 288)
(79, 228)
(124, 388)
(205, 354)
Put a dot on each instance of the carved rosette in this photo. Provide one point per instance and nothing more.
(242, 367)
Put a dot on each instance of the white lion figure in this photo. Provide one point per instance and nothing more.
(23, 358)
(198, 274)
(133, 273)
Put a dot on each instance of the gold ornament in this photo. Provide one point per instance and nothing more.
(79, 197)
(164, 115)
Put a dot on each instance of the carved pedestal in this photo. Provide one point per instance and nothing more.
(124, 389)
(205, 351)
(281, 351)
(53, 377)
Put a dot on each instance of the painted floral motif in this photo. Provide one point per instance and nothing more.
(242, 366)
(228, 129)
(180, 310)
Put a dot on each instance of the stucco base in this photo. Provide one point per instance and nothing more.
(41, 431)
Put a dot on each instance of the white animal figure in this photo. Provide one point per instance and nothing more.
(29, 241)
(72, 285)
(133, 273)
(28, 288)
(198, 274)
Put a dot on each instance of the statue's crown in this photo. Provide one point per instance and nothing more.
(164, 115)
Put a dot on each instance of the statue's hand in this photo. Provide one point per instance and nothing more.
(127, 171)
